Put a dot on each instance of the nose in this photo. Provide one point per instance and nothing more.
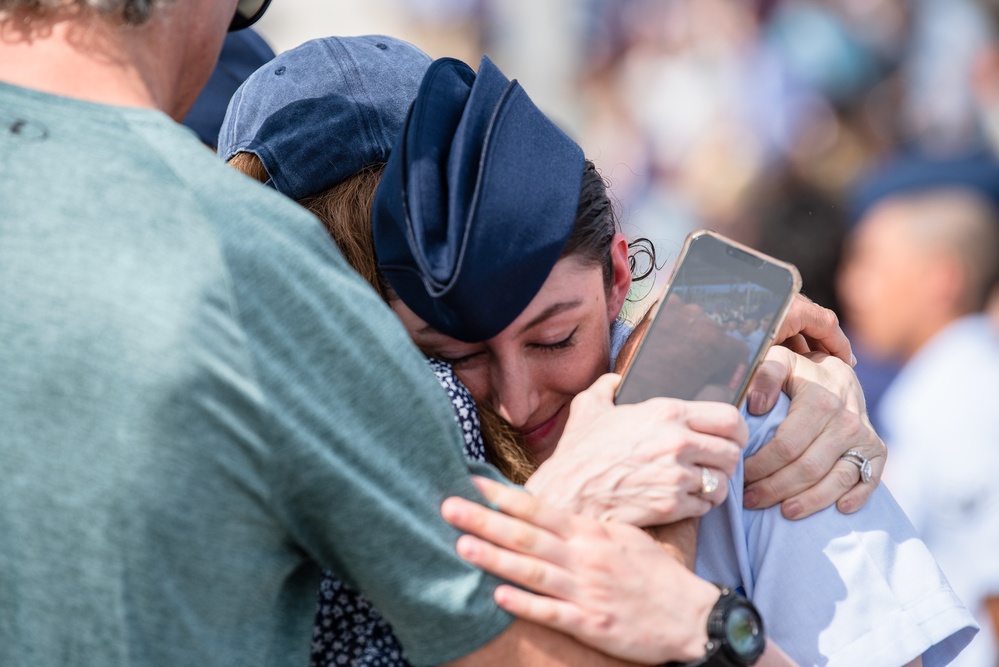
(515, 395)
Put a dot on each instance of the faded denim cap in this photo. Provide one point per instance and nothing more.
(319, 113)
(476, 202)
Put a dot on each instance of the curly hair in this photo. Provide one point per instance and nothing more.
(132, 12)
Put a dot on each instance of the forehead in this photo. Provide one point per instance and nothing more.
(885, 231)
(572, 285)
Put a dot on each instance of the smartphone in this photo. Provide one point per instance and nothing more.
(711, 326)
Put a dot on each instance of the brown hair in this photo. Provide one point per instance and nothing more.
(345, 211)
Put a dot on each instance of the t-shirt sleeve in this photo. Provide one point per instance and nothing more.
(839, 589)
(364, 446)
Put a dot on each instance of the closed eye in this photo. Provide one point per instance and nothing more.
(457, 361)
(568, 341)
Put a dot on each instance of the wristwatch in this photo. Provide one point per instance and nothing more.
(735, 634)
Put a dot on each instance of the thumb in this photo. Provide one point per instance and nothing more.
(769, 380)
(598, 395)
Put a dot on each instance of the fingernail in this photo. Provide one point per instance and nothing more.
(757, 402)
(792, 510)
(846, 506)
(853, 359)
(750, 499)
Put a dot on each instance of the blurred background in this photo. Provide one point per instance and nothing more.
(756, 118)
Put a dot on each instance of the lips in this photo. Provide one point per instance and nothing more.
(542, 439)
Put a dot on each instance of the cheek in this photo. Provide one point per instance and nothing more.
(476, 380)
(587, 361)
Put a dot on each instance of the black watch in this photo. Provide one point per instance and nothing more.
(735, 634)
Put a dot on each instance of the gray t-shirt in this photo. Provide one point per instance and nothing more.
(200, 404)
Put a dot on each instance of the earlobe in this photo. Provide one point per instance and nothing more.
(621, 278)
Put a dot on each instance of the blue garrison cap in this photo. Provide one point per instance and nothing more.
(322, 111)
(242, 53)
(978, 172)
(477, 201)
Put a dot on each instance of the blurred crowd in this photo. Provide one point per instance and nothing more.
(756, 118)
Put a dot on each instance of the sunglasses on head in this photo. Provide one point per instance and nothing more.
(248, 12)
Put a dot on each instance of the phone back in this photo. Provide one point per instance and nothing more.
(712, 325)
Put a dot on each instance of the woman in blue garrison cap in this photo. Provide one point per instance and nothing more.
(497, 246)
(500, 242)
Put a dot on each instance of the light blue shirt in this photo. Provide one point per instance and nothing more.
(836, 590)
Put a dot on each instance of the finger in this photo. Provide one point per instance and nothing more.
(794, 437)
(714, 452)
(819, 324)
(602, 390)
(522, 505)
(841, 479)
(565, 617)
(501, 529)
(643, 515)
(766, 385)
(798, 474)
(708, 417)
(535, 574)
(857, 496)
(796, 344)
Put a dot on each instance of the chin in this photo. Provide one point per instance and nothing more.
(542, 453)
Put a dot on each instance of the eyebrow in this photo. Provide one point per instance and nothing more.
(551, 311)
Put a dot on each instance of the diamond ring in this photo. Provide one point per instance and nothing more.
(862, 463)
(708, 481)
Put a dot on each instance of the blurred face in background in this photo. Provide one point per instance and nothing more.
(882, 282)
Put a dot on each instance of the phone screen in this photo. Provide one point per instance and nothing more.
(712, 325)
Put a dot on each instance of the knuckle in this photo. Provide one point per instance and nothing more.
(769, 491)
(523, 540)
(669, 409)
(828, 402)
(784, 447)
(534, 576)
(828, 317)
(601, 623)
(666, 505)
(854, 428)
(812, 469)
(732, 459)
(847, 477)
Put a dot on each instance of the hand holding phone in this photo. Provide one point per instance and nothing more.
(712, 325)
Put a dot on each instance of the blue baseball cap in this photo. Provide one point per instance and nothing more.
(476, 202)
(321, 112)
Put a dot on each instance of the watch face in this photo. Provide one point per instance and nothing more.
(745, 636)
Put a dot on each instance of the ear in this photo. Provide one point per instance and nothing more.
(621, 278)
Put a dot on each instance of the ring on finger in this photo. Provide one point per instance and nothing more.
(862, 462)
(709, 482)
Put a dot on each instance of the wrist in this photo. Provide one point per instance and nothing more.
(734, 634)
(691, 648)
